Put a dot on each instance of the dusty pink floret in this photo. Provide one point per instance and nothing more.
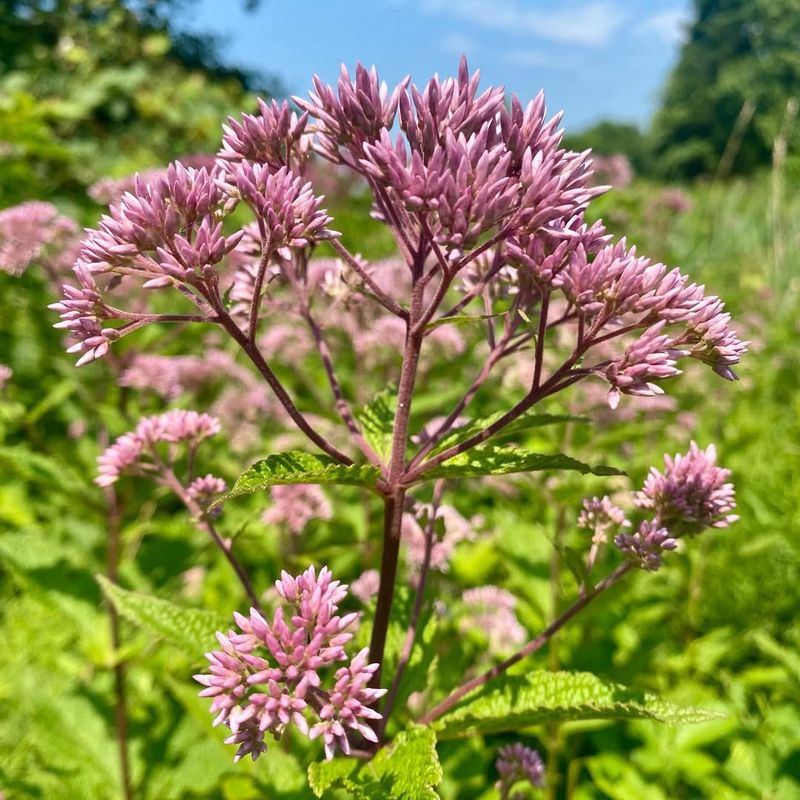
(296, 505)
(134, 451)
(274, 674)
(517, 763)
(492, 610)
(692, 492)
(35, 232)
(601, 516)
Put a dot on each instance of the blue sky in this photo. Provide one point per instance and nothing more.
(594, 58)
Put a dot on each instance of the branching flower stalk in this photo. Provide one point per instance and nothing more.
(488, 213)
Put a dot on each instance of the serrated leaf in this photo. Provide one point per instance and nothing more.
(295, 467)
(377, 420)
(191, 629)
(498, 460)
(526, 422)
(517, 701)
(406, 770)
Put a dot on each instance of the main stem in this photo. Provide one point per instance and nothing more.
(394, 496)
(532, 646)
(419, 599)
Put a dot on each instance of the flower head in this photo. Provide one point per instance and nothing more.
(275, 138)
(645, 546)
(601, 516)
(36, 232)
(295, 505)
(517, 763)
(272, 674)
(137, 451)
(691, 494)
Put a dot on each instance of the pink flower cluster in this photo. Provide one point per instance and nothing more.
(492, 610)
(471, 174)
(517, 764)
(456, 529)
(137, 451)
(273, 674)
(35, 232)
(692, 494)
(295, 505)
(601, 516)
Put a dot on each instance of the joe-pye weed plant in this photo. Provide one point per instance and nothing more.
(487, 212)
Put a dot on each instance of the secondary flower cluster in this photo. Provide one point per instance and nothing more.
(492, 610)
(516, 764)
(137, 452)
(273, 674)
(692, 494)
(36, 231)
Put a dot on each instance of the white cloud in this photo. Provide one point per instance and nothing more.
(458, 43)
(536, 58)
(590, 23)
(670, 25)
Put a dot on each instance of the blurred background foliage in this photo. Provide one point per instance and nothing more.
(100, 88)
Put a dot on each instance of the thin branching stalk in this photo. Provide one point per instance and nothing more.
(204, 522)
(531, 647)
(254, 354)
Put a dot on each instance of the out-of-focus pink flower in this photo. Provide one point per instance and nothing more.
(366, 585)
(36, 232)
(615, 170)
(456, 529)
(295, 505)
(136, 450)
(5, 375)
(492, 610)
(601, 516)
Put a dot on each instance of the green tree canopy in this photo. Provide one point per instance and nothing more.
(739, 54)
(90, 88)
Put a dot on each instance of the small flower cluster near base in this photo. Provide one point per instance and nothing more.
(692, 494)
(517, 764)
(270, 675)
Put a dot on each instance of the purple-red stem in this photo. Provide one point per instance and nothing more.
(254, 354)
(531, 647)
(411, 632)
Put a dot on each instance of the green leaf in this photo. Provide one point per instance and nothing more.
(377, 420)
(191, 629)
(407, 770)
(296, 466)
(502, 460)
(517, 701)
(526, 422)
